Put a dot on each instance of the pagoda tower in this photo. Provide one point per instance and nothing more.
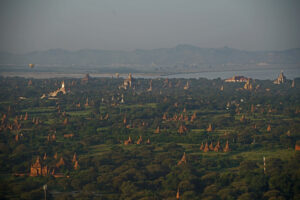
(201, 147)
(226, 149)
(269, 128)
(177, 194)
(183, 159)
(211, 146)
(206, 149)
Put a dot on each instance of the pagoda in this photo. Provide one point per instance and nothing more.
(125, 120)
(26, 117)
(297, 146)
(187, 86)
(177, 194)
(201, 147)
(150, 86)
(209, 129)
(129, 141)
(269, 128)
(140, 140)
(193, 117)
(211, 146)
(74, 158)
(217, 147)
(206, 149)
(66, 121)
(157, 130)
(164, 116)
(183, 159)
(182, 129)
(148, 141)
(242, 119)
(45, 156)
(222, 88)
(76, 165)
(226, 149)
(293, 84)
(60, 163)
(86, 102)
(248, 85)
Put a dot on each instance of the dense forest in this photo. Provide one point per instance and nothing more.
(115, 138)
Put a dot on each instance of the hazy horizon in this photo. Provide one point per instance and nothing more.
(118, 25)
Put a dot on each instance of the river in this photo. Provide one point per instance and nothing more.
(264, 74)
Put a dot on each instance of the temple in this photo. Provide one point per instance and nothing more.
(248, 85)
(37, 169)
(62, 89)
(187, 86)
(236, 79)
(127, 82)
(281, 79)
(150, 86)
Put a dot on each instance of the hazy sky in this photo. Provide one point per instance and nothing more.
(28, 25)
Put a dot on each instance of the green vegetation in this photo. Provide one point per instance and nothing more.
(91, 120)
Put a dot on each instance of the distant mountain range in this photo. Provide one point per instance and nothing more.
(180, 56)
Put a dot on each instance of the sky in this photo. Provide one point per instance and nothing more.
(32, 25)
